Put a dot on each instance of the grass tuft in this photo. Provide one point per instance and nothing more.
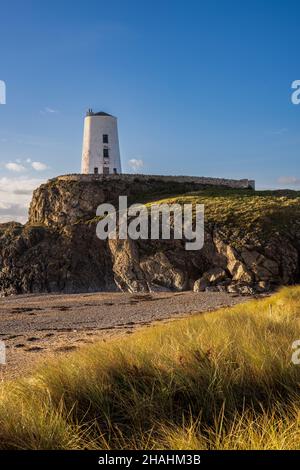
(221, 380)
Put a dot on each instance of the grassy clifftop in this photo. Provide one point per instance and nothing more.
(215, 381)
(245, 211)
(253, 237)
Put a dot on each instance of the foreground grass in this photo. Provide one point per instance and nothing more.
(223, 380)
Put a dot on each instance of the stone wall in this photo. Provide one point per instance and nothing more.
(196, 180)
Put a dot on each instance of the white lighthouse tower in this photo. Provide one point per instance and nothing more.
(100, 152)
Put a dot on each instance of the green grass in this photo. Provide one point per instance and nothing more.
(221, 380)
(241, 214)
(244, 214)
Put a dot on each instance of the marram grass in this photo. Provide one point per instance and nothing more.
(221, 380)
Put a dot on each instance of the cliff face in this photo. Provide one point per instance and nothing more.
(38, 259)
(252, 241)
(71, 198)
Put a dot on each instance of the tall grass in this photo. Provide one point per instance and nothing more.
(222, 380)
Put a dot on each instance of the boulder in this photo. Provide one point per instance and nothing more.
(200, 285)
(215, 275)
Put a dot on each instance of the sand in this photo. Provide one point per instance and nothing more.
(35, 327)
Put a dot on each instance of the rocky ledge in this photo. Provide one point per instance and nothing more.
(252, 241)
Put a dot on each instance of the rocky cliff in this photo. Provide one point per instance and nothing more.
(252, 240)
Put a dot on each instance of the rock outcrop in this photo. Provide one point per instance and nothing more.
(58, 251)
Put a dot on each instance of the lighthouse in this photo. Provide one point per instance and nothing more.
(100, 150)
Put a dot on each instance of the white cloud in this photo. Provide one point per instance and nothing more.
(136, 164)
(14, 166)
(15, 196)
(13, 212)
(19, 166)
(39, 166)
(48, 110)
(289, 180)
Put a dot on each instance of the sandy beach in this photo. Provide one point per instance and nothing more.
(35, 327)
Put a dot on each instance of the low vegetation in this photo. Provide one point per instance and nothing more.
(239, 212)
(244, 213)
(222, 380)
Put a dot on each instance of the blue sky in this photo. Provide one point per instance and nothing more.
(199, 88)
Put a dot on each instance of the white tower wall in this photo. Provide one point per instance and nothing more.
(100, 152)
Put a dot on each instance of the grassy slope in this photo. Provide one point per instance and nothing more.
(243, 214)
(220, 380)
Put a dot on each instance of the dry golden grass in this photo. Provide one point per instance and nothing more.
(222, 380)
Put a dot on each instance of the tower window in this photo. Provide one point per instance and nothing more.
(95, 171)
(105, 138)
(106, 170)
(105, 153)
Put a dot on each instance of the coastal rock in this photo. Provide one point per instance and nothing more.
(58, 250)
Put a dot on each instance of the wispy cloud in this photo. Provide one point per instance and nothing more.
(15, 196)
(281, 131)
(13, 212)
(136, 164)
(289, 180)
(48, 110)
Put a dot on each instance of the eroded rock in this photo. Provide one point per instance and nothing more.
(58, 251)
